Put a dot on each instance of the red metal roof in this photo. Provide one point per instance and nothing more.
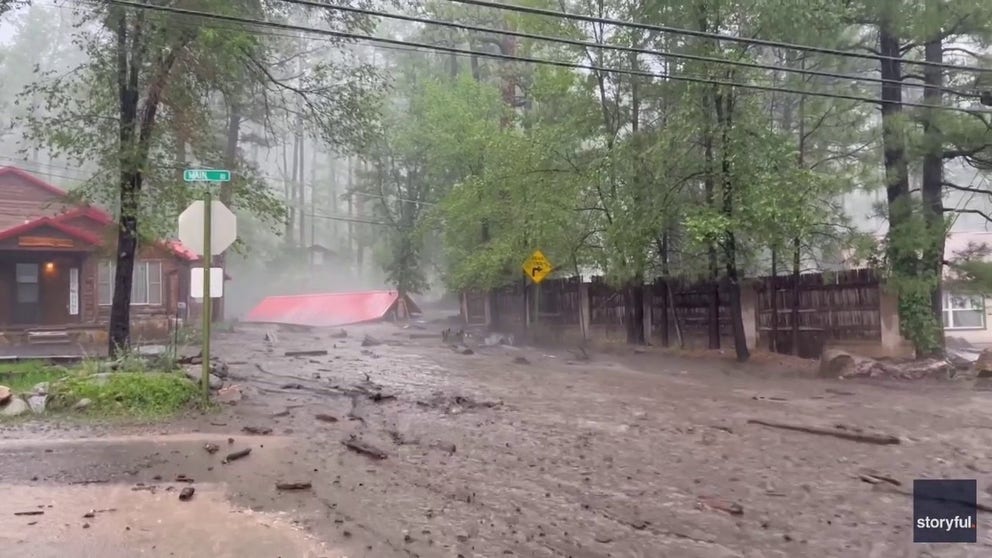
(325, 310)
(56, 224)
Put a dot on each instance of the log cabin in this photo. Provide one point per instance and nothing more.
(57, 270)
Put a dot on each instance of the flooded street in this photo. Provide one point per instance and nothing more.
(501, 452)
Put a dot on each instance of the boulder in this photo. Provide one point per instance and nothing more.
(219, 368)
(229, 395)
(37, 403)
(983, 366)
(82, 404)
(932, 369)
(5, 395)
(370, 341)
(40, 388)
(835, 363)
(959, 360)
(195, 373)
(14, 408)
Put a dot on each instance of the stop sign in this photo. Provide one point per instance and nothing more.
(223, 229)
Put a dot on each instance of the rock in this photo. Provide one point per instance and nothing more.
(370, 341)
(984, 364)
(5, 395)
(37, 403)
(153, 350)
(40, 388)
(187, 494)
(936, 369)
(340, 334)
(82, 404)
(958, 361)
(211, 448)
(521, 360)
(194, 373)
(15, 407)
(496, 339)
(219, 368)
(835, 363)
(229, 395)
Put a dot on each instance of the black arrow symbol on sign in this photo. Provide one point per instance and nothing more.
(534, 270)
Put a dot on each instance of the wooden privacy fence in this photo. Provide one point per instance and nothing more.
(833, 307)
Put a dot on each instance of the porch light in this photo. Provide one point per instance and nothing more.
(49, 267)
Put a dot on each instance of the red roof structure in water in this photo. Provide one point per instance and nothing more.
(327, 309)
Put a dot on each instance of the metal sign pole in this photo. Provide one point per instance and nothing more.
(207, 300)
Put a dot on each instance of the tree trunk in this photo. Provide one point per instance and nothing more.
(301, 184)
(713, 315)
(893, 137)
(288, 193)
(724, 109)
(133, 156)
(933, 178)
(633, 309)
(227, 189)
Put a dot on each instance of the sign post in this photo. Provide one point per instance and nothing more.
(537, 267)
(208, 303)
(204, 242)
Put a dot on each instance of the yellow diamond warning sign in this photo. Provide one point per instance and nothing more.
(537, 267)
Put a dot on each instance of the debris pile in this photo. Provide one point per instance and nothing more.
(839, 364)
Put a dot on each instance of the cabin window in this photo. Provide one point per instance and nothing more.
(964, 311)
(145, 290)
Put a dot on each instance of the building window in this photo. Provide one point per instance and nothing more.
(964, 311)
(146, 288)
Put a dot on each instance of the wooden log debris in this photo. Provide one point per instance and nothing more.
(318, 352)
(234, 456)
(838, 431)
(358, 446)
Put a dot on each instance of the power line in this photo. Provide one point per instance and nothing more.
(347, 219)
(710, 35)
(512, 58)
(607, 46)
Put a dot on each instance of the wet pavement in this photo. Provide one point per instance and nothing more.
(502, 452)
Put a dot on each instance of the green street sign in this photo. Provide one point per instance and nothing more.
(204, 175)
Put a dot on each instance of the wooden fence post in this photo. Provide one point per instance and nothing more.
(647, 303)
(584, 310)
(487, 307)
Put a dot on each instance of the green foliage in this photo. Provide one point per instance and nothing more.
(129, 386)
(21, 377)
(913, 281)
(142, 394)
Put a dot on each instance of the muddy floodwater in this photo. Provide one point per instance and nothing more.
(397, 445)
